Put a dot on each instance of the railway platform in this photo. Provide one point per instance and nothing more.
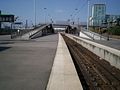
(26, 64)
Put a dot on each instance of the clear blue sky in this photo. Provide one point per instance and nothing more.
(57, 9)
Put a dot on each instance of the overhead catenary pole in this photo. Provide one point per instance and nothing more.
(88, 15)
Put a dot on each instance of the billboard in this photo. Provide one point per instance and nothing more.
(6, 18)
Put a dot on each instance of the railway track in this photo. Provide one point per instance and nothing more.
(94, 72)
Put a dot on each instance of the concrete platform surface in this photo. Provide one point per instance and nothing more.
(5, 37)
(63, 75)
(26, 65)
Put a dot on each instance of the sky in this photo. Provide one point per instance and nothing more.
(58, 10)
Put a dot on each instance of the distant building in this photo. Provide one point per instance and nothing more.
(98, 14)
(112, 18)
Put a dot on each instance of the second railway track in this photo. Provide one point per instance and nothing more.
(94, 72)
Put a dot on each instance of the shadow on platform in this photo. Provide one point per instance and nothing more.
(4, 48)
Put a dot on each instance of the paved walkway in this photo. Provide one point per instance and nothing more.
(5, 37)
(26, 65)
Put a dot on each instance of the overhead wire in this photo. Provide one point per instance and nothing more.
(82, 7)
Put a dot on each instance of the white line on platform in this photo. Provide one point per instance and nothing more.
(63, 75)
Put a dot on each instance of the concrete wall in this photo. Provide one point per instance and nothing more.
(107, 53)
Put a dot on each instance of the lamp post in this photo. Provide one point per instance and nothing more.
(75, 15)
(78, 22)
(71, 18)
(50, 18)
(51, 21)
(35, 12)
(0, 22)
(45, 14)
(88, 15)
